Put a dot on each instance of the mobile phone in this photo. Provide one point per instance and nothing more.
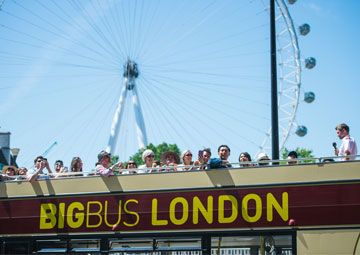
(200, 154)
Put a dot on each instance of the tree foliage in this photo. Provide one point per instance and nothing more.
(158, 151)
(114, 159)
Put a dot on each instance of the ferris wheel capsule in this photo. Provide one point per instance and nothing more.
(291, 1)
(301, 131)
(309, 97)
(304, 29)
(310, 63)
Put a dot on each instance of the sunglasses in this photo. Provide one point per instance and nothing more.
(188, 155)
(150, 156)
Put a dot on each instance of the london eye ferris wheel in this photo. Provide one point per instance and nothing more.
(121, 74)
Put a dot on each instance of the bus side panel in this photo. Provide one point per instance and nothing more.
(328, 241)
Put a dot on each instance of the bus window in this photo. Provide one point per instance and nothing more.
(262, 244)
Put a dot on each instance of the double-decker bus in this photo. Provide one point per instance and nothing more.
(280, 209)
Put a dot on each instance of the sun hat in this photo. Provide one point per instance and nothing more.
(103, 154)
(5, 168)
(184, 153)
(167, 154)
(146, 153)
(262, 156)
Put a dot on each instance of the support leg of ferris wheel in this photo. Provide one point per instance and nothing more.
(115, 125)
(140, 125)
(130, 74)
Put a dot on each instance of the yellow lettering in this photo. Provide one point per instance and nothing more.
(207, 213)
(245, 208)
(75, 220)
(131, 212)
(221, 209)
(96, 213)
(106, 213)
(282, 210)
(185, 210)
(61, 215)
(154, 212)
(47, 216)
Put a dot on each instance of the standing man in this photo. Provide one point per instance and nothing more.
(348, 144)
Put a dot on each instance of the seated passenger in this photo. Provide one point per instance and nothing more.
(130, 167)
(8, 173)
(40, 163)
(156, 164)
(263, 157)
(76, 166)
(170, 159)
(245, 157)
(222, 161)
(292, 158)
(103, 167)
(148, 157)
(203, 158)
(22, 171)
(188, 164)
(59, 167)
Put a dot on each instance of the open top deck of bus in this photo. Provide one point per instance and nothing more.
(268, 176)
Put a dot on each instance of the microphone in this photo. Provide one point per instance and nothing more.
(334, 145)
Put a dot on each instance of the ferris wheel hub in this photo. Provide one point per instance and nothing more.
(131, 72)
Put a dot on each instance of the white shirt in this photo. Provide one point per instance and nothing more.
(348, 143)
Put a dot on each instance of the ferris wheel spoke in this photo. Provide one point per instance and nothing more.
(198, 61)
(169, 111)
(223, 113)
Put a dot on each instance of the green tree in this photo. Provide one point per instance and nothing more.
(158, 151)
(302, 153)
(114, 159)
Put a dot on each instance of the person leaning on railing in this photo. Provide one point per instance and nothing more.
(37, 172)
(169, 160)
(103, 167)
(222, 161)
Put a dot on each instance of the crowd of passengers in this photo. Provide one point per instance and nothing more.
(170, 161)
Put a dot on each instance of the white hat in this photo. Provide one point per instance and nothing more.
(262, 156)
(146, 153)
(183, 154)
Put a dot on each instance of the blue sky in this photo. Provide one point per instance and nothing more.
(204, 74)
